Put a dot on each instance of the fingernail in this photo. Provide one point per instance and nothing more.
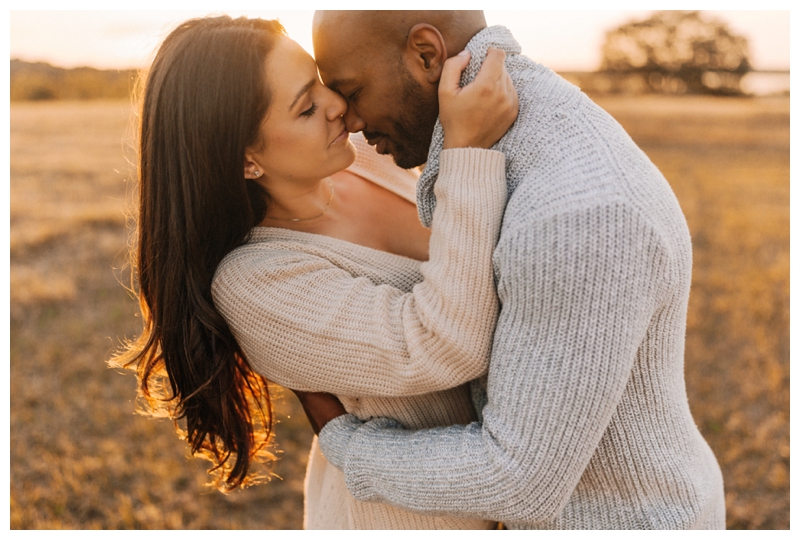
(465, 52)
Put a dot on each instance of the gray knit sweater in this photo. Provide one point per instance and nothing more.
(586, 421)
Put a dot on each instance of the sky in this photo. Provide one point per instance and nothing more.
(563, 40)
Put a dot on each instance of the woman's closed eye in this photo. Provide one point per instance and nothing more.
(310, 111)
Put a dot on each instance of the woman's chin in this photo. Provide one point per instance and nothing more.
(339, 158)
(349, 150)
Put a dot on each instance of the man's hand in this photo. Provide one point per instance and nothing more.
(320, 408)
(478, 114)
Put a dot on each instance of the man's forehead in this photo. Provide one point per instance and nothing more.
(340, 44)
(341, 68)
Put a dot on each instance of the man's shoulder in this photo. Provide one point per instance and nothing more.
(570, 155)
(560, 200)
(540, 198)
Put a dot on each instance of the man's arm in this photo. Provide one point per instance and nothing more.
(578, 290)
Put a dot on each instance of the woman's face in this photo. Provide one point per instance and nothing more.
(303, 138)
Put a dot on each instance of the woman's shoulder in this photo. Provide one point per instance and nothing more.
(271, 253)
(264, 252)
(381, 170)
(272, 256)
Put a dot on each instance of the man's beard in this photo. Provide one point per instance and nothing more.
(413, 128)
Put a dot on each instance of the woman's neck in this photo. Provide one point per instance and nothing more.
(367, 214)
(296, 205)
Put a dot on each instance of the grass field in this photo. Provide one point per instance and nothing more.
(80, 457)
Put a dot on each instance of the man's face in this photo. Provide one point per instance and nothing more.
(384, 100)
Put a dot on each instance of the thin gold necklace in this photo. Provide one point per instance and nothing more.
(327, 206)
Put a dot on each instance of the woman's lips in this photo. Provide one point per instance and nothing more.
(344, 135)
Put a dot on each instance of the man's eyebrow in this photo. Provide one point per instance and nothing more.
(302, 92)
(338, 83)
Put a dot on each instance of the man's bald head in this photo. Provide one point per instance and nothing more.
(384, 31)
(387, 64)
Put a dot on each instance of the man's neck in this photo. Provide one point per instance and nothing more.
(456, 44)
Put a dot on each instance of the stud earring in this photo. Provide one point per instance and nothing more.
(257, 174)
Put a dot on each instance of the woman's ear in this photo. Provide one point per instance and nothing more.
(251, 169)
(427, 51)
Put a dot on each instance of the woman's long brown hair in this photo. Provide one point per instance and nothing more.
(203, 102)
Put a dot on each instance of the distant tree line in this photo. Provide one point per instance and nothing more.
(36, 81)
(675, 52)
(669, 52)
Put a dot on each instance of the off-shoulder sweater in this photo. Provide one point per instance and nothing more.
(390, 336)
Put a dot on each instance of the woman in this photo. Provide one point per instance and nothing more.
(261, 256)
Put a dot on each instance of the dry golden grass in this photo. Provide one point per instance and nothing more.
(80, 458)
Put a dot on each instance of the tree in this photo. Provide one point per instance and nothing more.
(677, 52)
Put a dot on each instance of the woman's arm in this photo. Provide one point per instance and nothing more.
(308, 324)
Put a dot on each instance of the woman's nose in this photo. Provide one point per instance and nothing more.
(338, 106)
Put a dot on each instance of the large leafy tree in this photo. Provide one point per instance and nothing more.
(678, 51)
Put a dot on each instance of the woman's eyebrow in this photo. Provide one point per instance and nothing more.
(302, 91)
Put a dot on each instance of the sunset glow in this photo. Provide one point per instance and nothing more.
(562, 40)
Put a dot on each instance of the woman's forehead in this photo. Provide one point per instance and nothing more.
(289, 70)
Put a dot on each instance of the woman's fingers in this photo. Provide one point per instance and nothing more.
(320, 408)
(491, 72)
(450, 79)
(493, 69)
(478, 114)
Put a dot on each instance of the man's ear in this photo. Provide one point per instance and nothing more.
(426, 51)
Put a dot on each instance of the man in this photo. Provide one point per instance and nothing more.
(585, 421)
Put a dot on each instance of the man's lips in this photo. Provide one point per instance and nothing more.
(379, 143)
(382, 145)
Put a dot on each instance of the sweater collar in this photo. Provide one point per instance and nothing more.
(498, 37)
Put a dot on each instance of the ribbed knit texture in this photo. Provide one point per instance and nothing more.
(390, 336)
(586, 423)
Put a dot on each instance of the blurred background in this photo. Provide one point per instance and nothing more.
(705, 94)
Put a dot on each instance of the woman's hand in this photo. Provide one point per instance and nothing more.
(478, 114)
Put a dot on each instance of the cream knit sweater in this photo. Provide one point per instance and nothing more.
(586, 423)
(390, 336)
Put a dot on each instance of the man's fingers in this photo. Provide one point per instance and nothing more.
(451, 71)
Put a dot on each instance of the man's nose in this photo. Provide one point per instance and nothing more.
(352, 122)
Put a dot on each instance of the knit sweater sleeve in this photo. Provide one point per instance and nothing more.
(311, 325)
(583, 286)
